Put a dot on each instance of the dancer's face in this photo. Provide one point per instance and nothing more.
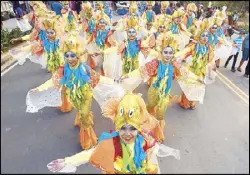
(66, 6)
(204, 37)
(161, 29)
(51, 34)
(214, 28)
(167, 54)
(163, 10)
(132, 34)
(102, 24)
(149, 7)
(71, 58)
(177, 20)
(128, 133)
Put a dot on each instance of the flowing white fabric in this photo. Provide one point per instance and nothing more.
(112, 65)
(47, 98)
(161, 150)
(193, 90)
(22, 56)
(104, 91)
(222, 52)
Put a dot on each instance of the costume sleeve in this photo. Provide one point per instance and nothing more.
(79, 158)
(185, 52)
(148, 70)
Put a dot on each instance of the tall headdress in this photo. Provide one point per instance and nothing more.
(178, 13)
(132, 22)
(103, 15)
(219, 17)
(192, 6)
(150, 3)
(133, 7)
(87, 11)
(164, 4)
(203, 27)
(72, 43)
(169, 40)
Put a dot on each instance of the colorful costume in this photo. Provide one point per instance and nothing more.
(149, 15)
(201, 63)
(189, 19)
(114, 156)
(77, 82)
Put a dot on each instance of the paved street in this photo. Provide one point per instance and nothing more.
(214, 138)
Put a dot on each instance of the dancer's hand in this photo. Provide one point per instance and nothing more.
(123, 78)
(121, 47)
(201, 80)
(114, 24)
(56, 165)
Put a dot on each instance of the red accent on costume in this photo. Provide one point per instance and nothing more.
(151, 67)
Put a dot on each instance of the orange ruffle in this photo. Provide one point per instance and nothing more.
(66, 105)
(87, 138)
(185, 103)
(158, 131)
(77, 119)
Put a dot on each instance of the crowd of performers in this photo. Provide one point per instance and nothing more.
(91, 56)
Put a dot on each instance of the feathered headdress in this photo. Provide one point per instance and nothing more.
(169, 40)
(102, 15)
(100, 4)
(72, 43)
(203, 27)
(161, 21)
(164, 4)
(178, 13)
(132, 22)
(219, 17)
(87, 11)
(152, 3)
(65, 3)
(133, 7)
(192, 7)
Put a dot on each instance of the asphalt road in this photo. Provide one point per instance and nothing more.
(214, 138)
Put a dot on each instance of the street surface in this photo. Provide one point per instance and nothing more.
(214, 138)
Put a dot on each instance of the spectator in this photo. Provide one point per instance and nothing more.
(247, 70)
(200, 11)
(157, 8)
(245, 52)
(238, 43)
(78, 5)
(170, 9)
(235, 17)
(57, 7)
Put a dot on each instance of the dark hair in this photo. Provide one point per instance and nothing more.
(178, 4)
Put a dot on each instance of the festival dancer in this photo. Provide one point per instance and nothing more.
(88, 24)
(130, 149)
(178, 30)
(77, 79)
(189, 19)
(202, 60)
(149, 15)
(100, 40)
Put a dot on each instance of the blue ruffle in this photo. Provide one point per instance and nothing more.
(219, 32)
(100, 38)
(91, 25)
(81, 76)
(149, 16)
(174, 29)
(201, 50)
(50, 46)
(132, 49)
(189, 22)
(161, 74)
(70, 16)
(42, 35)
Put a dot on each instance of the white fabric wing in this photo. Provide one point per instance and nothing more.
(38, 100)
(223, 52)
(112, 65)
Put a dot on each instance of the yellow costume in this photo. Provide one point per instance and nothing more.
(111, 154)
